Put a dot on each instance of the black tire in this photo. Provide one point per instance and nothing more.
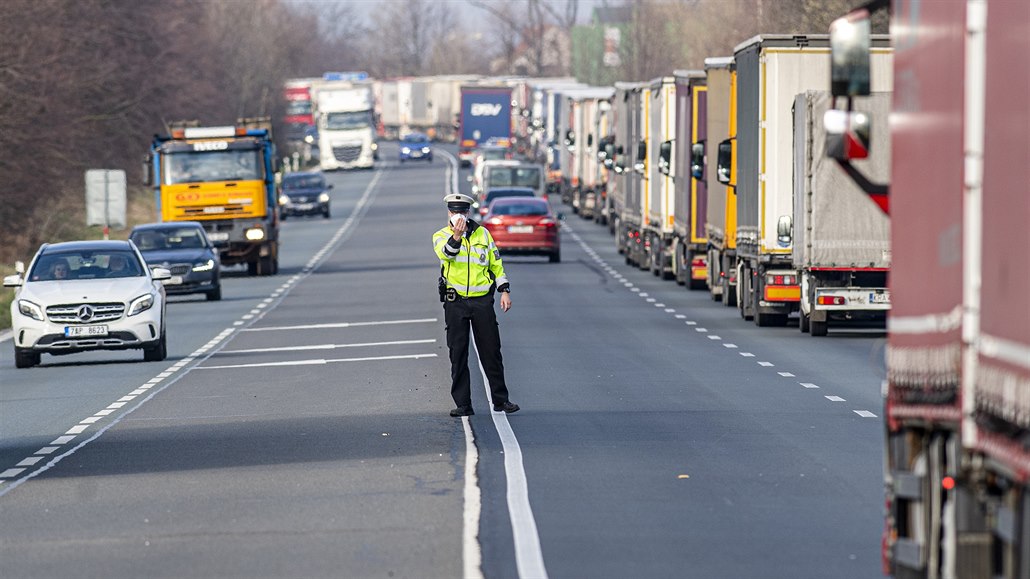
(158, 351)
(697, 284)
(283, 216)
(326, 214)
(715, 297)
(215, 294)
(25, 358)
(729, 293)
(252, 267)
(818, 328)
(770, 320)
(803, 322)
(556, 256)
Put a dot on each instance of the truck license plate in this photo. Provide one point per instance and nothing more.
(520, 229)
(218, 236)
(880, 298)
(79, 331)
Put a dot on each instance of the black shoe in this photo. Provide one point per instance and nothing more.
(462, 411)
(507, 407)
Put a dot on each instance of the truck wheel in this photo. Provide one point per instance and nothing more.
(803, 322)
(252, 267)
(25, 358)
(698, 284)
(818, 328)
(769, 320)
(729, 294)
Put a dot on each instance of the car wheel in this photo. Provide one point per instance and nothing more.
(283, 216)
(430, 158)
(158, 351)
(215, 294)
(556, 256)
(326, 213)
(25, 358)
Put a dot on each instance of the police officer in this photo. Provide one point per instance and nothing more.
(471, 270)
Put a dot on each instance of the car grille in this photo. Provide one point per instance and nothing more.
(347, 153)
(180, 268)
(85, 313)
(301, 199)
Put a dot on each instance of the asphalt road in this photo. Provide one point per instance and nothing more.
(300, 428)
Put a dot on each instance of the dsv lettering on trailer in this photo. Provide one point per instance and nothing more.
(485, 110)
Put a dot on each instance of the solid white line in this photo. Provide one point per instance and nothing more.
(315, 362)
(323, 347)
(865, 414)
(835, 399)
(529, 559)
(340, 325)
(471, 553)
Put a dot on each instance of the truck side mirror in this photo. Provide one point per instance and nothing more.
(724, 162)
(638, 166)
(850, 41)
(785, 230)
(697, 160)
(148, 171)
(665, 158)
(848, 135)
(570, 140)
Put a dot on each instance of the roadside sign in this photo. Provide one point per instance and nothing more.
(105, 198)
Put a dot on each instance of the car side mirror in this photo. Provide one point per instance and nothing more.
(850, 41)
(724, 162)
(19, 266)
(12, 281)
(160, 274)
(697, 160)
(848, 135)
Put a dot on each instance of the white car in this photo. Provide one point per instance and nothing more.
(88, 295)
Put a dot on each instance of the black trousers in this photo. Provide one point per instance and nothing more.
(477, 314)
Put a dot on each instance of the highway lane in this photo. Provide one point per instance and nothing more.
(314, 438)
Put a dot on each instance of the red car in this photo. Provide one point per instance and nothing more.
(524, 225)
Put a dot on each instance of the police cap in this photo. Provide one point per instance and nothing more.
(458, 202)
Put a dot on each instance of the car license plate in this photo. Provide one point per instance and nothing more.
(305, 206)
(520, 229)
(218, 236)
(79, 331)
(174, 280)
(880, 298)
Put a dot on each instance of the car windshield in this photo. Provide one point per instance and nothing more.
(514, 177)
(415, 138)
(165, 239)
(349, 120)
(519, 209)
(206, 166)
(499, 193)
(86, 264)
(298, 108)
(303, 182)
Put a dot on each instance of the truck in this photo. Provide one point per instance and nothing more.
(720, 179)
(485, 116)
(841, 241)
(683, 158)
(771, 70)
(630, 160)
(957, 388)
(345, 114)
(223, 177)
(659, 190)
(298, 117)
(581, 169)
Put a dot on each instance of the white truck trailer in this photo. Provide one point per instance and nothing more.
(346, 125)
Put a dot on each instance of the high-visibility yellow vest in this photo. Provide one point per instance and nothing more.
(474, 266)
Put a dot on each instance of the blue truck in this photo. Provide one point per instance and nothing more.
(485, 119)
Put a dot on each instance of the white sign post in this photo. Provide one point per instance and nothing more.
(105, 199)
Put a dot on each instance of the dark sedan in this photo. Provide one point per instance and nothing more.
(183, 248)
(304, 193)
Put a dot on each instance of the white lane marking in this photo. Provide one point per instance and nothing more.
(701, 330)
(529, 559)
(713, 337)
(77, 429)
(669, 310)
(10, 473)
(340, 325)
(691, 323)
(865, 414)
(680, 316)
(323, 347)
(659, 305)
(644, 294)
(765, 364)
(91, 420)
(47, 449)
(30, 461)
(650, 300)
(634, 289)
(471, 553)
(729, 346)
(337, 238)
(786, 374)
(316, 362)
(835, 399)
(747, 354)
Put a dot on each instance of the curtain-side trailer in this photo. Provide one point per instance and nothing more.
(660, 199)
(689, 238)
(721, 210)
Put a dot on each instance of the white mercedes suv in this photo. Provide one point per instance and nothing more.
(88, 295)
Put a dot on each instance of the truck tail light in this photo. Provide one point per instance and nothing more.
(780, 279)
(831, 300)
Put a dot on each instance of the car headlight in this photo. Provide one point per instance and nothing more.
(204, 265)
(309, 139)
(323, 198)
(27, 308)
(405, 150)
(141, 304)
(255, 234)
(425, 149)
(375, 146)
(284, 200)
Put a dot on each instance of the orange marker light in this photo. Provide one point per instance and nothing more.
(948, 483)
